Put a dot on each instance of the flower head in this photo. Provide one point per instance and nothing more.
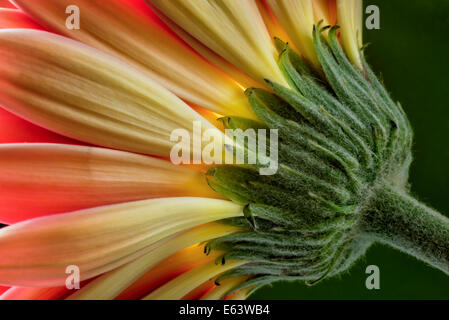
(119, 84)
(97, 192)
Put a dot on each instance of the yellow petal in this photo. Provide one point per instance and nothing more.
(111, 284)
(82, 93)
(233, 29)
(350, 20)
(129, 30)
(36, 253)
(39, 179)
(182, 285)
(297, 18)
(244, 80)
(225, 286)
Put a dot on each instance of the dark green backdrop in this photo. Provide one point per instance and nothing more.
(411, 51)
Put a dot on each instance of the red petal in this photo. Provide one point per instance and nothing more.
(6, 4)
(3, 289)
(12, 18)
(17, 130)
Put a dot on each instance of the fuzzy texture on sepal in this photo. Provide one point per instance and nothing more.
(341, 137)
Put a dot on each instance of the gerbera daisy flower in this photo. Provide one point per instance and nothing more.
(96, 210)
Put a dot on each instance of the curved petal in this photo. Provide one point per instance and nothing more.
(15, 130)
(233, 29)
(41, 179)
(82, 93)
(111, 284)
(36, 253)
(188, 281)
(129, 30)
(13, 18)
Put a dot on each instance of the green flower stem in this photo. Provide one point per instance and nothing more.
(397, 219)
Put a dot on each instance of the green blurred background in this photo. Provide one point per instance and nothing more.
(411, 52)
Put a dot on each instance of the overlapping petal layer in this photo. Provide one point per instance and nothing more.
(111, 284)
(233, 29)
(129, 30)
(166, 270)
(36, 252)
(273, 26)
(183, 284)
(85, 94)
(40, 179)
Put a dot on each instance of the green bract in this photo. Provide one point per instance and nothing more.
(344, 156)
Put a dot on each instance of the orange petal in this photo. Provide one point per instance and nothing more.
(40, 179)
(274, 27)
(332, 4)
